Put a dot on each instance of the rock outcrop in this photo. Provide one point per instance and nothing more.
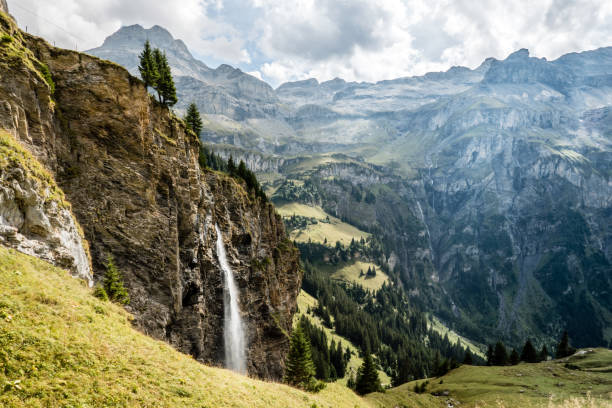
(130, 170)
(34, 216)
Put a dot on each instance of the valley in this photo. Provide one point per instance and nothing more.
(173, 234)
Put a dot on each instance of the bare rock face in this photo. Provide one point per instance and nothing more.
(34, 217)
(131, 173)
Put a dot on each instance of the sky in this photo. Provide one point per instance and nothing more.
(358, 40)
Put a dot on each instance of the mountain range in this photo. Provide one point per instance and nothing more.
(493, 185)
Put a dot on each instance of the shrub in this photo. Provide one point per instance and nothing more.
(44, 70)
(113, 283)
(100, 293)
(6, 39)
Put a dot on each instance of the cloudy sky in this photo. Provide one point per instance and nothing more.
(363, 40)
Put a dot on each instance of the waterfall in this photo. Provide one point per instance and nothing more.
(233, 331)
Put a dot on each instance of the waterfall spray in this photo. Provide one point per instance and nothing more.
(233, 330)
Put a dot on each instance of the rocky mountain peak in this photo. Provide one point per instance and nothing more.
(305, 83)
(521, 54)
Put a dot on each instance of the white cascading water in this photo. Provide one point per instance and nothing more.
(233, 330)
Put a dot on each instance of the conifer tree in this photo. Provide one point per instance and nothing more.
(500, 355)
(166, 91)
(113, 283)
(564, 349)
(231, 166)
(367, 377)
(514, 357)
(300, 368)
(467, 360)
(193, 119)
(543, 353)
(529, 353)
(351, 382)
(148, 67)
(490, 355)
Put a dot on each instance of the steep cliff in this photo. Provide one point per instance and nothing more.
(131, 173)
(34, 216)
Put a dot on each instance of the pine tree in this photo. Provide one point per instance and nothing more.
(300, 368)
(148, 68)
(367, 377)
(529, 353)
(193, 119)
(514, 357)
(113, 283)
(564, 349)
(467, 360)
(166, 91)
(500, 355)
(490, 355)
(231, 166)
(543, 353)
(351, 382)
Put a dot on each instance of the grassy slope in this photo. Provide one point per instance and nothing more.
(350, 271)
(60, 346)
(439, 327)
(526, 385)
(333, 231)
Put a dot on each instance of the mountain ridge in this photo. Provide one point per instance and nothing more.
(467, 146)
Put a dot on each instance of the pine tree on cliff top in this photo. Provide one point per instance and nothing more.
(148, 67)
(165, 88)
(193, 119)
(300, 368)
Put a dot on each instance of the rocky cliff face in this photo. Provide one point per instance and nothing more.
(34, 216)
(131, 173)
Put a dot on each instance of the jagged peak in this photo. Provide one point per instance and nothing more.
(310, 82)
(138, 32)
(523, 53)
(226, 68)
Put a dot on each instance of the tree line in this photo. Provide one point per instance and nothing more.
(497, 355)
(210, 160)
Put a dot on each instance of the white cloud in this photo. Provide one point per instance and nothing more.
(353, 39)
(89, 22)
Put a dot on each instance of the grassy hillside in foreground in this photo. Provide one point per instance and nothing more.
(61, 347)
(587, 383)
